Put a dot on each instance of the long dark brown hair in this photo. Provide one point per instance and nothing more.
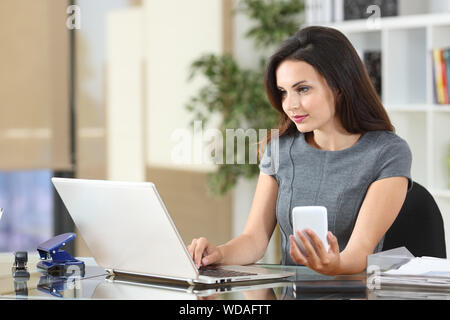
(332, 55)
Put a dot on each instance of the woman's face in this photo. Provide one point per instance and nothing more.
(305, 95)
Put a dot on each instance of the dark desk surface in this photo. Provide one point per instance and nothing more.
(97, 285)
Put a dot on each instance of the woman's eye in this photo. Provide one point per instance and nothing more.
(303, 89)
(299, 90)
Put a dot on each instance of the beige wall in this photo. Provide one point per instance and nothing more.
(195, 212)
(34, 85)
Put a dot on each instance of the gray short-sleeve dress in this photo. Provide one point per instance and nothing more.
(338, 180)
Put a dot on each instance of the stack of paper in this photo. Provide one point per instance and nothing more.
(428, 272)
(410, 295)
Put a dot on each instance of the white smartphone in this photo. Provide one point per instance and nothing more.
(310, 217)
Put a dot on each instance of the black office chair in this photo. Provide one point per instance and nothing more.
(419, 226)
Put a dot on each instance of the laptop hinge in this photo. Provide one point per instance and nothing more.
(110, 272)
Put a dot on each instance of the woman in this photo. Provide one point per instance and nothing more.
(336, 149)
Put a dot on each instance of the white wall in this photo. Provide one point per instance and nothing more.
(439, 6)
(172, 43)
(408, 7)
(124, 96)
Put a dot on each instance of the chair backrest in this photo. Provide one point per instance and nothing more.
(419, 226)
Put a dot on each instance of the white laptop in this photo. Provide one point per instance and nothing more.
(129, 231)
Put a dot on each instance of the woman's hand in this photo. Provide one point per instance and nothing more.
(317, 258)
(204, 253)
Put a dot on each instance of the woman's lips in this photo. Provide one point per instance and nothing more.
(299, 119)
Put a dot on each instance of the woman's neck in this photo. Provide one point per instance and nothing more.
(333, 141)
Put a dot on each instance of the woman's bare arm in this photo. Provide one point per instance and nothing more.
(251, 245)
(380, 208)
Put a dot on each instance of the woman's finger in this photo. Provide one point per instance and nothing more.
(296, 253)
(332, 241)
(211, 258)
(191, 247)
(313, 259)
(318, 244)
(202, 245)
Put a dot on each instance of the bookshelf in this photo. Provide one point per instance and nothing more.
(405, 43)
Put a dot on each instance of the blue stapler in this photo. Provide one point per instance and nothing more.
(56, 261)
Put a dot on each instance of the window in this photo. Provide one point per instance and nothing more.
(27, 200)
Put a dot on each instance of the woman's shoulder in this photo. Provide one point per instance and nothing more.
(384, 139)
(389, 145)
(284, 141)
(394, 157)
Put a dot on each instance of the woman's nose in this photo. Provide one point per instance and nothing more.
(291, 103)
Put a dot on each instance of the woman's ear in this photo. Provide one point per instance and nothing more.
(337, 96)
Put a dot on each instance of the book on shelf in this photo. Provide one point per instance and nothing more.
(357, 9)
(446, 59)
(441, 73)
(372, 61)
(327, 11)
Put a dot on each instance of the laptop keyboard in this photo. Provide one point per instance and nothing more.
(222, 273)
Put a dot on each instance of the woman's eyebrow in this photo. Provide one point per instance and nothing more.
(295, 84)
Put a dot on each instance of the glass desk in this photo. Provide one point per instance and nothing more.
(97, 284)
